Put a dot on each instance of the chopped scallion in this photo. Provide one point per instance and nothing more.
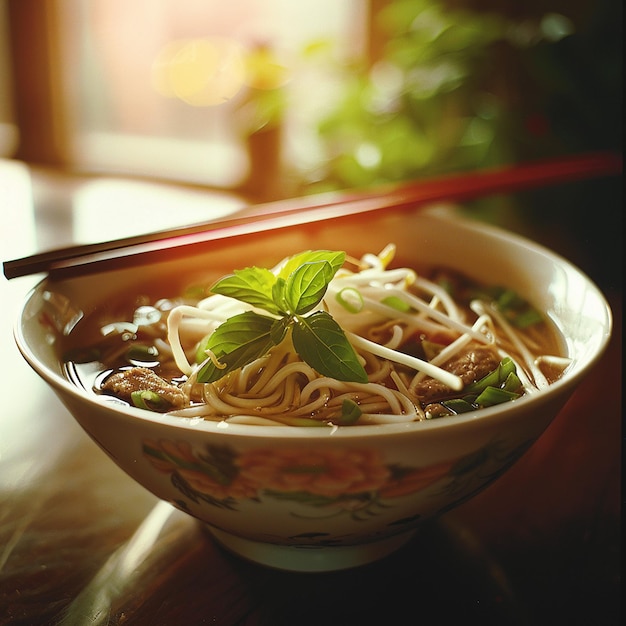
(458, 405)
(495, 395)
(146, 399)
(350, 413)
(495, 378)
(512, 383)
(526, 318)
(397, 303)
(350, 299)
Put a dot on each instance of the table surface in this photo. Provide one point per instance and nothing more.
(81, 543)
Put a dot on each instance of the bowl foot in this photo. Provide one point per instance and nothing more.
(309, 558)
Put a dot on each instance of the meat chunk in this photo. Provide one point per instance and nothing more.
(123, 383)
(469, 366)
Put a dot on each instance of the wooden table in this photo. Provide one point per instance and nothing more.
(81, 543)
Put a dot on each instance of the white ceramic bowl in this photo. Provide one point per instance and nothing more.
(370, 486)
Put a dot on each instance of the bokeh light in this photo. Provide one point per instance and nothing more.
(213, 70)
(200, 72)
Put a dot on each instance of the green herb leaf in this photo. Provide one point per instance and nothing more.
(279, 329)
(236, 342)
(299, 287)
(252, 285)
(321, 343)
(279, 296)
(307, 285)
(336, 260)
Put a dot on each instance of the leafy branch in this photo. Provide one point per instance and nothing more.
(290, 298)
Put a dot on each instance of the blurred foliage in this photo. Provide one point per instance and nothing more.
(457, 88)
(423, 106)
(460, 85)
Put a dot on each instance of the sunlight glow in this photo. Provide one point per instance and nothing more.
(200, 72)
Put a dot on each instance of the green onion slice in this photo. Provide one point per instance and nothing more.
(146, 399)
(397, 303)
(350, 413)
(350, 299)
(494, 395)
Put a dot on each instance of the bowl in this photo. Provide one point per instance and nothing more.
(366, 489)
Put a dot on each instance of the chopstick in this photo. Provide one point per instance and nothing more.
(290, 212)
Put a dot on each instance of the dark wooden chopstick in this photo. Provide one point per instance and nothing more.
(289, 212)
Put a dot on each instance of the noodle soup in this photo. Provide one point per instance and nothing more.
(378, 457)
(321, 339)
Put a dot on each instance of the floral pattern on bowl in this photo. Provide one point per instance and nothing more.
(353, 481)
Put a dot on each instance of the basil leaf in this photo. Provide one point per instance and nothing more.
(336, 260)
(321, 343)
(236, 342)
(298, 289)
(279, 329)
(278, 295)
(252, 285)
(237, 329)
(307, 285)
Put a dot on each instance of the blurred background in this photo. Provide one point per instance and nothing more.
(262, 100)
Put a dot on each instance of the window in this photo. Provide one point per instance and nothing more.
(187, 90)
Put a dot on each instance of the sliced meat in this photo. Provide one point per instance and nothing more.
(123, 383)
(469, 366)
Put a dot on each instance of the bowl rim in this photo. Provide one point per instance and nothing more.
(62, 386)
